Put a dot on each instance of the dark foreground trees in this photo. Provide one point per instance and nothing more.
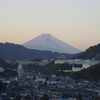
(45, 97)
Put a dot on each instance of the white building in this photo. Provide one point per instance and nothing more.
(75, 69)
(60, 61)
(1, 69)
(85, 63)
(85, 66)
(41, 62)
(20, 71)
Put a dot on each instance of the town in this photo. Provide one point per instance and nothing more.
(32, 84)
(49, 49)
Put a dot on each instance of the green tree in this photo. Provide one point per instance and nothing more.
(2, 87)
(45, 97)
(78, 97)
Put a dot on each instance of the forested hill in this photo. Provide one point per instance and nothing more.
(18, 52)
(6, 65)
(92, 73)
(92, 52)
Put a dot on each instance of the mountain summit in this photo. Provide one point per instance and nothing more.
(48, 42)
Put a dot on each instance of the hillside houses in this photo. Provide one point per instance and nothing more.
(78, 64)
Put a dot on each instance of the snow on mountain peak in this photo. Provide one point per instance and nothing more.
(46, 41)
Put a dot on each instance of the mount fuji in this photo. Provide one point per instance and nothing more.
(48, 42)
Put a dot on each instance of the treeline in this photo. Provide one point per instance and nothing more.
(92, 73)
(92, 52)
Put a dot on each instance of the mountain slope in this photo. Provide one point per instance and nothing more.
(19, 52)
(92, 73)
(92, 52)
(48, 42)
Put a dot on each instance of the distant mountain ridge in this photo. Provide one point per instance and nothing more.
(12, 51)
(92, 52)
(46, 41)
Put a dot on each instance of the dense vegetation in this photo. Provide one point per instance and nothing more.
(8, 73)
(9, 69)
(8, 65)
(92, 73)
(49, 68)
(2, 85)
(92, 52)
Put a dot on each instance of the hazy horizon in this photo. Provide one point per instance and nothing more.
(76, 22)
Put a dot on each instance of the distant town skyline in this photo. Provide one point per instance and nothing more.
(76, 22)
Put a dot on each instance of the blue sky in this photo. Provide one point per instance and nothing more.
(76, 22)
